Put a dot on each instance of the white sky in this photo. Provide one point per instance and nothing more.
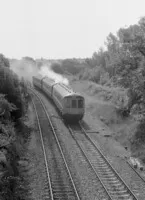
(62, 28)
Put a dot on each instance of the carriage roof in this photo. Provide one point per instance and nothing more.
(64, 90)
(48, 81)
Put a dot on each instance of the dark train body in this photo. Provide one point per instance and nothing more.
(70, 104)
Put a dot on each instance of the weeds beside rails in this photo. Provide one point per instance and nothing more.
(136, 163)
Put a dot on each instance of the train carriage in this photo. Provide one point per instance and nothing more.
(70, 104)
(47, 84)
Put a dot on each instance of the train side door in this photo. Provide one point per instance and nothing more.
(67, 103)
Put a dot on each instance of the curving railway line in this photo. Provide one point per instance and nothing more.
(60, 183)
(114, 186)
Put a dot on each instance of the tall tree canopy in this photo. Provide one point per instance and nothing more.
(4, 62)
(124, 60)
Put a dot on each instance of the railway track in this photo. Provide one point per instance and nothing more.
(59, 183)
(109, 185)
(115, 188)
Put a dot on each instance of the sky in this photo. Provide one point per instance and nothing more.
(58, 29)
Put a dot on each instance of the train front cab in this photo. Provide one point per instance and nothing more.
(73, 108)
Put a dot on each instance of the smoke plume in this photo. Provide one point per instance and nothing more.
(26, 69)
(47, 71)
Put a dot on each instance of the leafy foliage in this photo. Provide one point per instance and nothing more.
(72, 66)
(123, 63)
(57, 68)
(4, 62)
(9, 85)
(29, 59)
(93, 74)
(6, 106)
(12, 99)
(139, 137)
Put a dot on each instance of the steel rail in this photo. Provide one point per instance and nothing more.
(53, 130)
(128, 188)
(44, 152)
(71, 131)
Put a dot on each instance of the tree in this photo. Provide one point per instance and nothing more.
(4, 62)
(57, 68)
(127, 56)
(29, 59)
(6, 107)
(99, 58)
(71, 66)
(9, 85)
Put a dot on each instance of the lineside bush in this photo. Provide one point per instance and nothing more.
(12, 107)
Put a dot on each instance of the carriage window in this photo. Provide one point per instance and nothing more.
(74, 103)
(80, 103)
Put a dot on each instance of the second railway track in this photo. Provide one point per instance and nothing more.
(108, 183)
(113, 184)
(60, 183)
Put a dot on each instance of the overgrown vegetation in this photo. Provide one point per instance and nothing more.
(68, 66)
(13, 105)
(121, 64)
(124, 61)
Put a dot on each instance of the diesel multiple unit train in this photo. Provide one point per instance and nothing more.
(70, 104)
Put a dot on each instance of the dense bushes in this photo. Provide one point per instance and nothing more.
(97, 75)
(4, 62)
(12, 108)
(10, 86)
(140, 132)
(57, 68)
(122, 63)
(67, 66)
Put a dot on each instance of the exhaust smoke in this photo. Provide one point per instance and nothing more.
(47, 71)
